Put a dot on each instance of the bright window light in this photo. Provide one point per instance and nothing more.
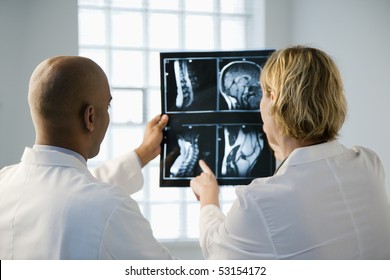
(125, 38)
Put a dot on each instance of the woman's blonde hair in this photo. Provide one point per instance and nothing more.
(309, 102)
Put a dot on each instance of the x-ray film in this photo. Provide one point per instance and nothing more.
(213, 103)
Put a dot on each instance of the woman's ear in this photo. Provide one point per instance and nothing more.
(272, 94)
(89, 118)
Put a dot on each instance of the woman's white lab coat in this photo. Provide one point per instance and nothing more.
(51, 207)
(325, 202)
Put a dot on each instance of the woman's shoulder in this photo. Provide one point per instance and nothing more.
(266, 186)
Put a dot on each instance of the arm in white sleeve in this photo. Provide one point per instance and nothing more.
(128, 235)
(124, 171)
(241, 234)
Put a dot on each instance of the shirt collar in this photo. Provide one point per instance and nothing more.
(61, 150)
(312, 153)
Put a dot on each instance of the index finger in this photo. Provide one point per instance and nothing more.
(205, 168)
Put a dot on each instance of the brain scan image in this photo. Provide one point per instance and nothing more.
(242, 147)
(240, 86)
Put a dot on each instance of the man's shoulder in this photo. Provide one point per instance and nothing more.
(7, 169)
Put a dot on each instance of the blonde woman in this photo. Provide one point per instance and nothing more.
(325, 201)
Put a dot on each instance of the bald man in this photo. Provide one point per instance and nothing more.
(51, 205)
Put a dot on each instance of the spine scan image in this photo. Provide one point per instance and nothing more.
(185, 93)
(188, 157)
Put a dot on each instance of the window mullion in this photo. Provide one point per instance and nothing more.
(108, 51)
(147, 187)
(217, 24)
(149, 87)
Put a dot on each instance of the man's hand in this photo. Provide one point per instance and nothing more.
(205, 186)
(151, 144)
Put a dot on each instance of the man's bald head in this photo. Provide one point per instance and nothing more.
(61, 86)
(69, 97)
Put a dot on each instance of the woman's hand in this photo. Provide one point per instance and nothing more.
(205, 186)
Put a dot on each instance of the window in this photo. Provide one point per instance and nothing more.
(125, 38)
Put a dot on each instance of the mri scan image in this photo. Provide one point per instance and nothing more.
(239, 86)
(242, 145)
(213, 103)
(184, 164)
(187, 144)
(191, 84)
(185, 92)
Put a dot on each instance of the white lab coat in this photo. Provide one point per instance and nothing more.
(51, 207)
(325, 202)
(124, 171)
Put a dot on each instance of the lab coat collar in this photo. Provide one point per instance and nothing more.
(51, 157)
(313, 153)
(60, 149)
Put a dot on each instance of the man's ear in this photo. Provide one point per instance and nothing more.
(89, 118)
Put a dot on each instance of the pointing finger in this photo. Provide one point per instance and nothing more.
(205, 167)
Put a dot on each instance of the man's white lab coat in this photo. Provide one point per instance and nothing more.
(52, 207)
(325, 202)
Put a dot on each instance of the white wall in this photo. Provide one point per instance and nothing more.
(30, 31)
(356, 34)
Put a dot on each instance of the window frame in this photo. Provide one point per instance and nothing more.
(185, 196)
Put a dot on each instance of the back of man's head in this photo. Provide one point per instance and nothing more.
(60, 86)
(59, 91)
